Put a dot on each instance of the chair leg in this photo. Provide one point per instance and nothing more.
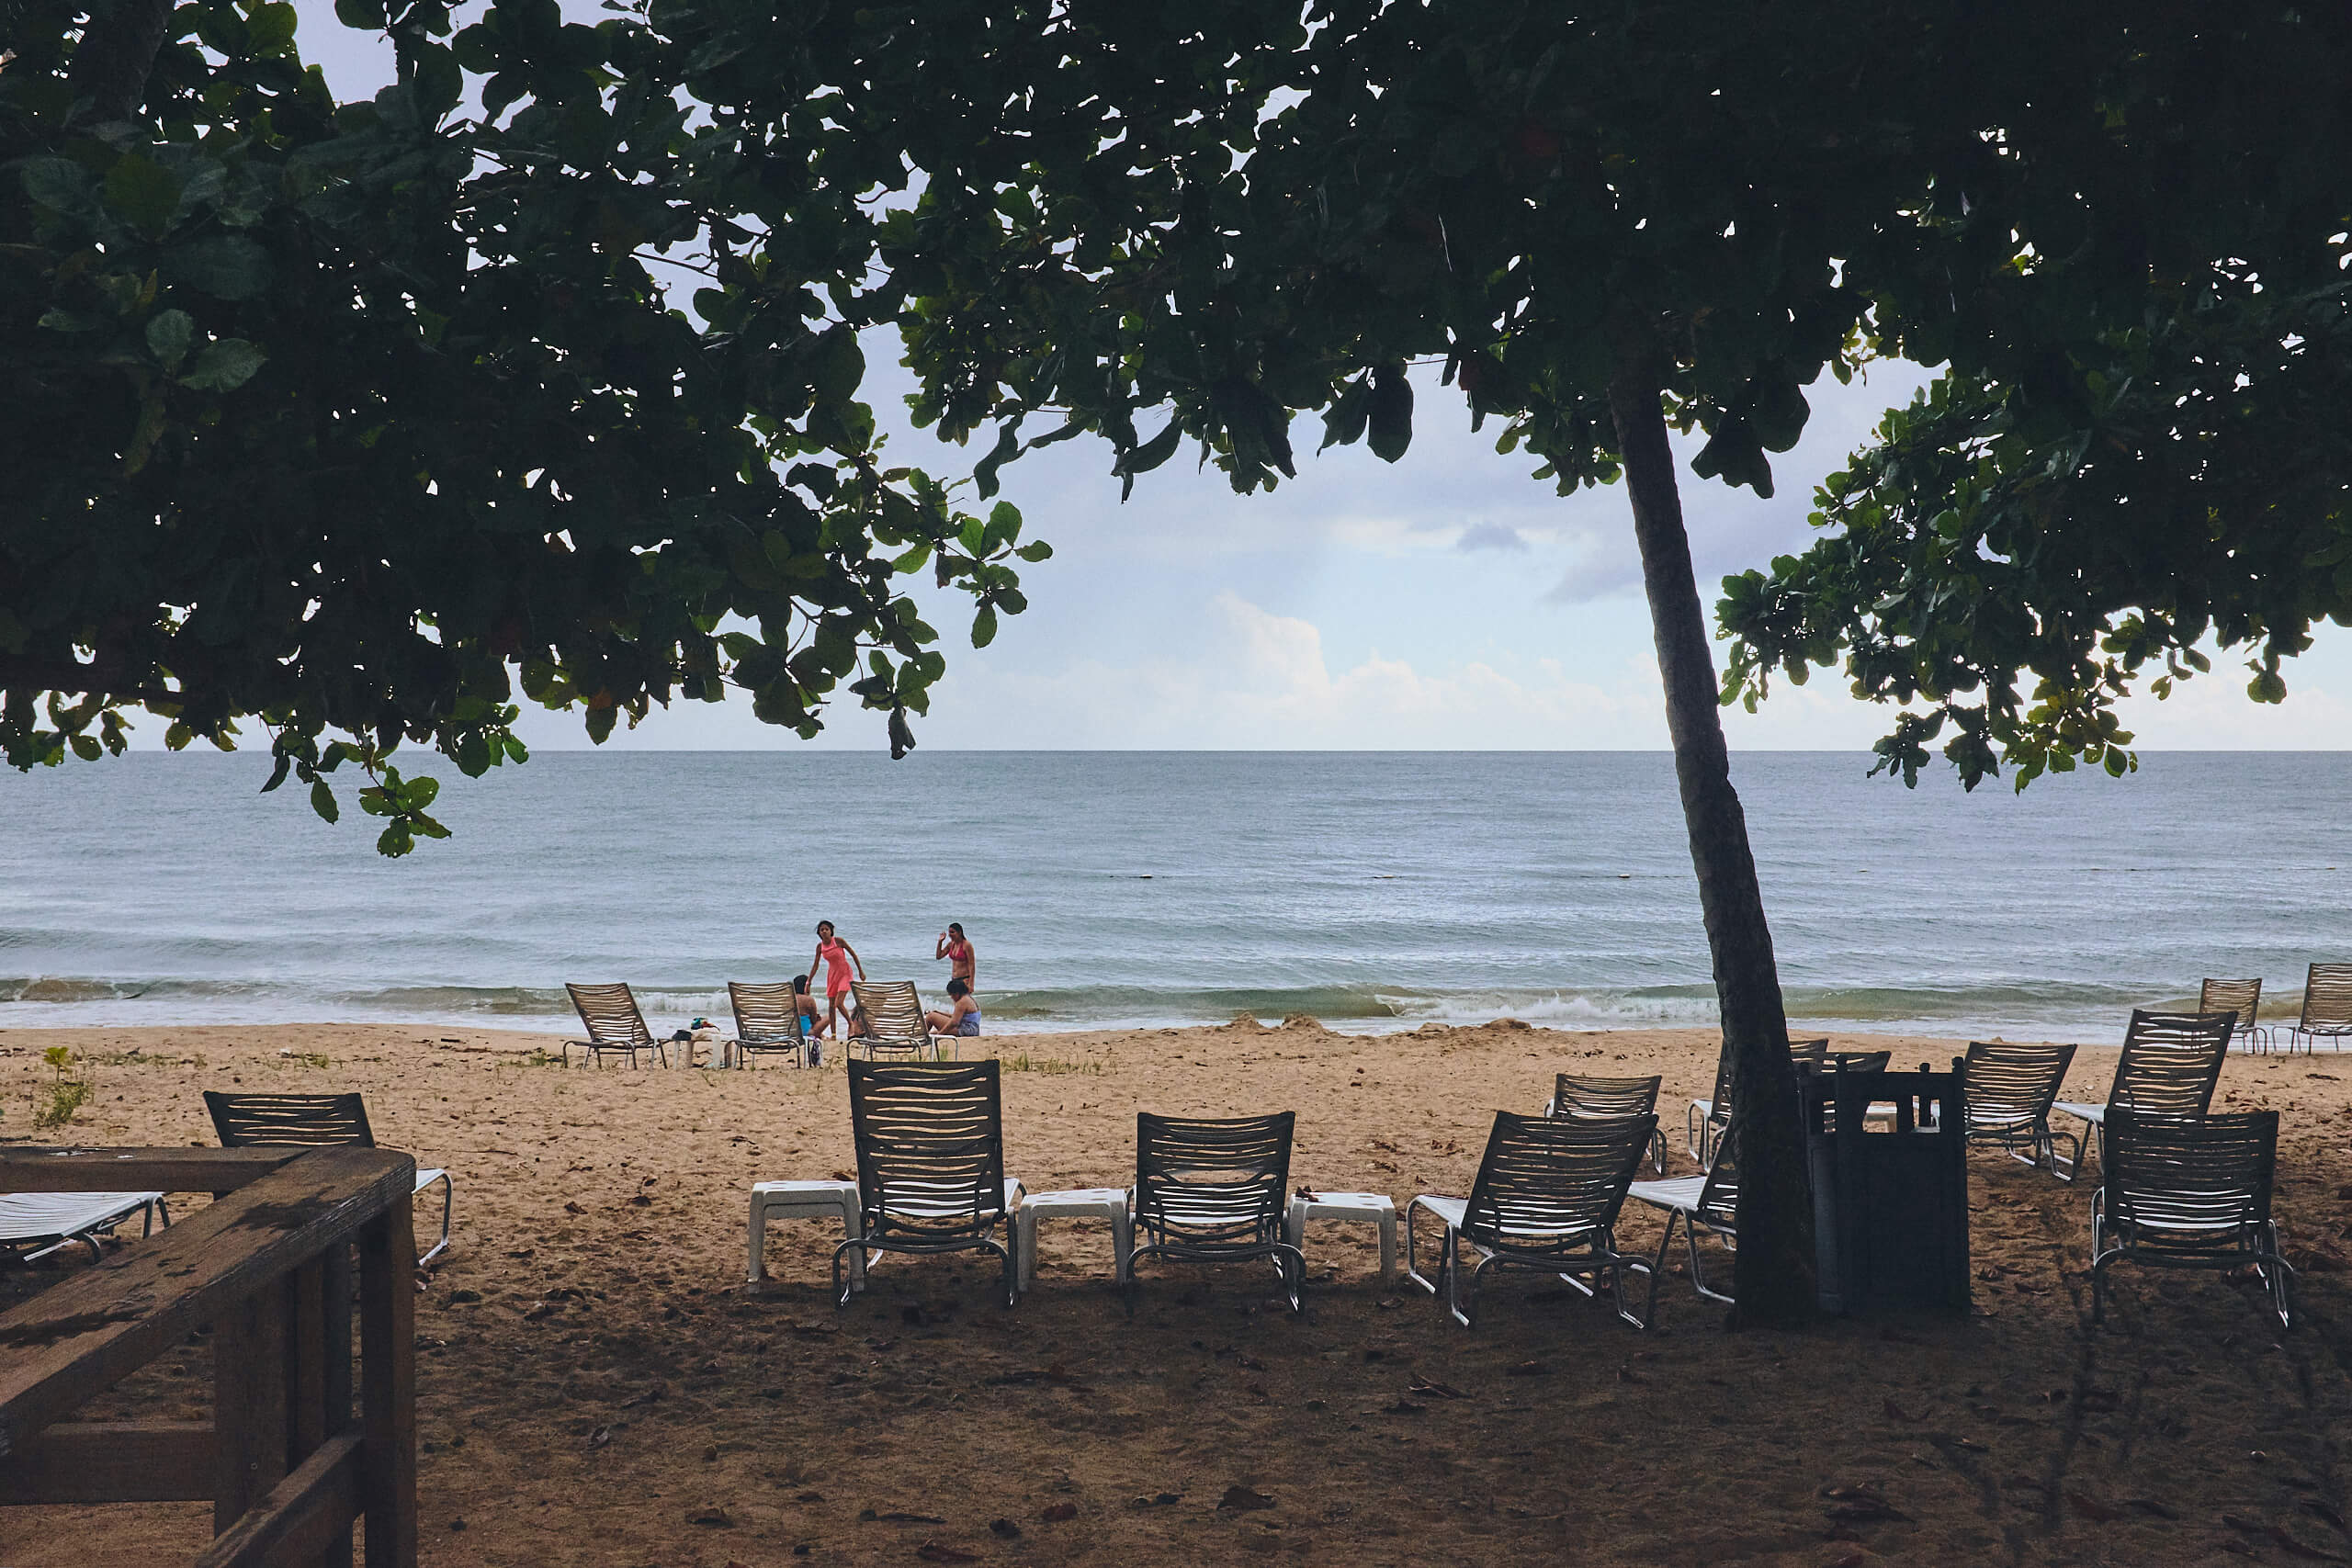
(449, 1195)
(1698, 1280)
(1657, 1264)
(841, 1292)
(1413, 1253)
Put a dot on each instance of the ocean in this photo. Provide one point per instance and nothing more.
(1374, 891)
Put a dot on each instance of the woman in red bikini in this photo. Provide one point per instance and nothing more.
(954, 946)
(837, 957)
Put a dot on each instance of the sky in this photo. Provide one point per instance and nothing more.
(1448, 601)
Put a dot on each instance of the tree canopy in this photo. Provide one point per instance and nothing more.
(353, 419)
(2142, 443)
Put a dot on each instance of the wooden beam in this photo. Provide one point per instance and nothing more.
(387, 1385)
(83, 1170)
(250, 1356)
(112, 1461)
(90, 1330)
(300, 1517)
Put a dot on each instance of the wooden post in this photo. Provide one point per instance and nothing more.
(387, 1385)
(249, 1394)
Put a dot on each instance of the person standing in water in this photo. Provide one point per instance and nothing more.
(957, 948)
(837, 956)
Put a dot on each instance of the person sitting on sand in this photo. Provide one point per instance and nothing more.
(806, 1006)
(838, 956)
(962, 1014)
(954, 946)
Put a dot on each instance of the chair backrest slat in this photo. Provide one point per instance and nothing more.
(610, 1015)
(1718, 1194)
(766, 1013)
(2243, 997)
(930, 1143)
(1574, 1095)
(2195, 1179)
(2171, 1062)
(2007, 1082)
(1212, 1178)
(2327, 996)
(243, 1121)
(1543, 1179)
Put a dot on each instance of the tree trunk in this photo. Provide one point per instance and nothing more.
(115, 54)
(1774, 1269)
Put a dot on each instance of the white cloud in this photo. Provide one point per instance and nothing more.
(1256, 679)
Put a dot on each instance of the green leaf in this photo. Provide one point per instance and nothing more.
(143, 191)
(984, 626)
(1035, 550)
(224, 366)
(1146, 458)
(322, 800)
(272, 27)
(227, 266)
(86, 746)
(168, 332)
(1389, 413)
(58, 184)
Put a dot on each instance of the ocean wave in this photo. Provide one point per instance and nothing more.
(2055, 1010)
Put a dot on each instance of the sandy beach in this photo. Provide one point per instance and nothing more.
(596, 1386)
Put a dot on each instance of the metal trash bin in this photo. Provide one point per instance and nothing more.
(1890, 1194)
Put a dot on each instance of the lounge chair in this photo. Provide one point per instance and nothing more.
(1545, 1199)
(313, 1120)
(2327, 1008)
(930, 1177)
(1607, 1098)
(2171, 1062)
(1708, 1202)
(893, 1020)
(613, 1025)
(1707, 1118)
(2009, 1092)
(1215, 1192)
(2243, 997)
(2184, 1194)
(51, 1222)
(768, 1019)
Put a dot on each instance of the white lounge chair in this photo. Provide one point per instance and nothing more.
(51, 1222)
(1709, 1204)
(2327, 1008)
(2171, 1063)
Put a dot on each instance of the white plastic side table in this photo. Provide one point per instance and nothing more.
(1373, 1207)
(1098, 1203)
(803, 1201)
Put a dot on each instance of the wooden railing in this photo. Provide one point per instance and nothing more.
(268, 1265)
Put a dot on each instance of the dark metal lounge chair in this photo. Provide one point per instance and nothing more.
(2183, 1194)
(2009, 1092)
(894, 1020)
(1607, 1098)
(1708, 1118)
(1546, 1199)
(768, 1019)
(51, 1222)
(313, 1120)
(931, 1174)
(1215, 1190)
(2327, 1008)
(2243, 997)
(614, 1026)
(2171, 1062)
(1709, 1204)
